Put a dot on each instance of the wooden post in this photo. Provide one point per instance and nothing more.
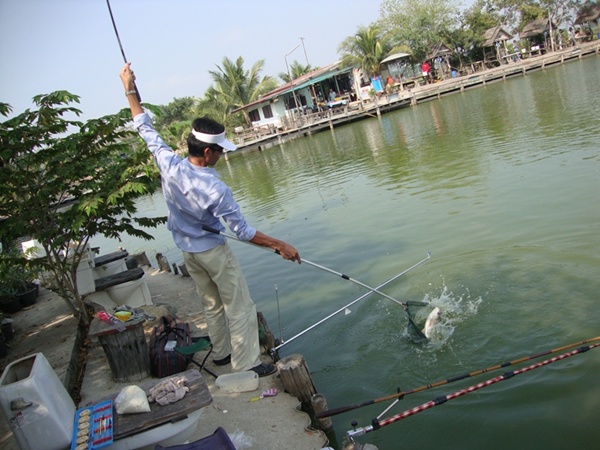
(183, 270)
(296, 378)
(163, 263)
(319, 404)
(142, 259)
(126, 351)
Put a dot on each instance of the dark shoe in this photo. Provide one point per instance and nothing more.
(264, 369)
(222, 362)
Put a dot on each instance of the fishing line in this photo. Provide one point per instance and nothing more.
(137, 92)
(444, 398)
(342, 409)
(343, 276)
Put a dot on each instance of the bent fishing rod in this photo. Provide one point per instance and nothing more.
(137, 92)
(376, 424)
(409, 303)
(399, 395)
(310, 263)
(326, 269)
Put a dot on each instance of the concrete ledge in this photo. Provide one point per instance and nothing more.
(49, 327)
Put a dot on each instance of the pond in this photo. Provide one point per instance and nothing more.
(502, 185)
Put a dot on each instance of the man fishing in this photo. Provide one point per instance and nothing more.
(196, 197)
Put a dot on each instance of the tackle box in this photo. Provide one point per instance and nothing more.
(93, 426)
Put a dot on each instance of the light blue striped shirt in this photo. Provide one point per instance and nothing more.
(195, 196)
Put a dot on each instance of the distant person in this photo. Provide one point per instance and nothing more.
(389, 87)
(559, 38)
(332, 95)
(425, 69)
(516, 54)
(196, 196)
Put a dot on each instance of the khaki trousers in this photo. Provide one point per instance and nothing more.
(229, 310)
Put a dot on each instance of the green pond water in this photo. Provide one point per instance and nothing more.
(502, 185)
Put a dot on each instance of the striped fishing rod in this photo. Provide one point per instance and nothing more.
(443, 399)
(399, 395)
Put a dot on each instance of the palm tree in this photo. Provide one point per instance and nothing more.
(296, 71)
(235, 87)
(367, 48)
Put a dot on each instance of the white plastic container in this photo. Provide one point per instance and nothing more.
(86, 281)
(42, 413)
(238, 382)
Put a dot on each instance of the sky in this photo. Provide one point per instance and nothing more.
(49, 45)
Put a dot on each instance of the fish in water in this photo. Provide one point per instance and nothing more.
(432, 320)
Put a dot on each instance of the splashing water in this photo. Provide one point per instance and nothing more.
(454, 310)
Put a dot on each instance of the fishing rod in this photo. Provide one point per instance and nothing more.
(310, 263)
(326, 269)
(137, 92)
(399, 395)
(344, 308)
(443, 399)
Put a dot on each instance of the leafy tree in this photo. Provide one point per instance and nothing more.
(529, 13)
(214, 104)
(469, 36)
(561, 12)
(418, 24)
(366, 49)
(174, 120)
(235, 87)
(180, 109)
(507, 12)
(64, 181)
(296, 71)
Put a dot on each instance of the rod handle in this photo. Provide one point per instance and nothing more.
(215, 231)
(341, 409)
(210, 229)
(137, 92)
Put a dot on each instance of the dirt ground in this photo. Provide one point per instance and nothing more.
(271, 423)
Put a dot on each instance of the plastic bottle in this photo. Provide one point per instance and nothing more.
(238, 382)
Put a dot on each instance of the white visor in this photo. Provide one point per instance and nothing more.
(218, 139)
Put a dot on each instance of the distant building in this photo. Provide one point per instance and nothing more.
(306, 93)
(494, 46)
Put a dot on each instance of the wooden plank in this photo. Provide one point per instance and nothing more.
(100, 328)
(118, 278)
(110, 257)
(198, 397)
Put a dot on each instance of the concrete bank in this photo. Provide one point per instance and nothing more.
(270, 423)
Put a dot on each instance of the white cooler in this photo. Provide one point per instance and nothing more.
(36, 405)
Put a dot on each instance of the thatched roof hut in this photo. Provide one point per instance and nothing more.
(535, 28)
(495, 34)
(440, 49)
